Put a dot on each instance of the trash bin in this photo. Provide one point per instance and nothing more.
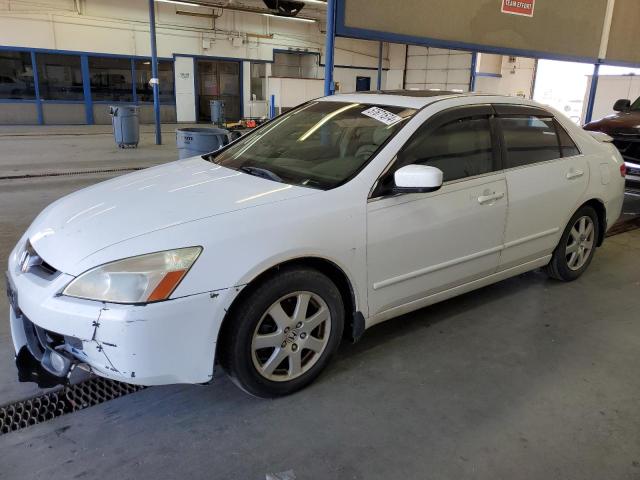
(198, 141)
(217, 112)
(126, 129)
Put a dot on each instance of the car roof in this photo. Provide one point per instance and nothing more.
(420, 98)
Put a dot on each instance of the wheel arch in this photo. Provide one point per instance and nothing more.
(335, 273)
(601, 210)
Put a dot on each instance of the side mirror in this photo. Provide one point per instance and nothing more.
(622, 105)
(417, 179)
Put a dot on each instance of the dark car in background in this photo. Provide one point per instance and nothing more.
(624, 127)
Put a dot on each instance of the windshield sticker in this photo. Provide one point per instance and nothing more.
(382, 115)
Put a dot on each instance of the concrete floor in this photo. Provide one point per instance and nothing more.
(525, 379)
(26, 150)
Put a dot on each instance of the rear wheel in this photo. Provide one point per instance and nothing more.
(284, 333)
(577, 246)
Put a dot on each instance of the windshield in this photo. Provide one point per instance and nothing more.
(318, 145)
(636, 105)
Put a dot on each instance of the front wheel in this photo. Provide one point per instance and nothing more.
(577, 246)
(284, 333)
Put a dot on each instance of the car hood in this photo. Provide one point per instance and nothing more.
(621, 122)
(157, 198)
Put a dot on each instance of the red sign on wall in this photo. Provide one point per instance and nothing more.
(518, 7)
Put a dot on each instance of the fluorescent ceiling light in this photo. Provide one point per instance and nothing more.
(319, 2)
(179, 2)
(308, 20)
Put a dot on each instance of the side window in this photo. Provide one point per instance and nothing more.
(461, 148)
(529, 139)
(568, 147)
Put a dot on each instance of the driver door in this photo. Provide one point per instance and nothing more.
(424, 243)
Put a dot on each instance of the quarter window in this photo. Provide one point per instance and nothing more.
(529, 139)
(460, 149)
(568, 147)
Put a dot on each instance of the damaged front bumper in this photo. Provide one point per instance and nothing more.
(161, 343)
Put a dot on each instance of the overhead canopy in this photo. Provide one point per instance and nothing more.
(624, 40)
(563, 29)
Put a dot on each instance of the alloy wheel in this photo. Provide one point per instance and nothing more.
(580, 243)
(291, 336)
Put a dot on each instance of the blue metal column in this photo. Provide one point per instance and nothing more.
(379, 83)
(86, 89)
(36, 86)
(272, 107)
(154, 71)
(592, 93)
(329, 87)
(474, 67)
(134, 81)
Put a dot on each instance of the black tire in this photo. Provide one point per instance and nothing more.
(558, 268)
(235, 345)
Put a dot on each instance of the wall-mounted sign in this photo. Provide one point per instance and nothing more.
(518, 7)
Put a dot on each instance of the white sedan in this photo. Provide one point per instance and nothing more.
(340, 214)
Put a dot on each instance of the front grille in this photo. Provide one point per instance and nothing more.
(47, 269)
(30, 261)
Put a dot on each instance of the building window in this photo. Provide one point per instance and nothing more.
(59, 76)
(258, 81)
(16, 75)
(144, 90)
(110, 79)
(295, 65)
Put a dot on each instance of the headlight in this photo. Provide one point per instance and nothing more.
(143, 279)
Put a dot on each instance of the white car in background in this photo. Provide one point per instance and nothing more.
(340, 214)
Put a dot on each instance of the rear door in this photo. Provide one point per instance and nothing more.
(546, 178)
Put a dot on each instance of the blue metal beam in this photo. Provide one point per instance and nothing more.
(474, 67)
(379, 82)
(36, 86)
(592, 93)
(272, 107)
(86, 89)
(329, 87)
(154, 71)
(134, 81)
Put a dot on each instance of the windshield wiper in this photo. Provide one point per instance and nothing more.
(262, 173)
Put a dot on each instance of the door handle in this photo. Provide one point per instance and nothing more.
(484, 199)
(574, 174)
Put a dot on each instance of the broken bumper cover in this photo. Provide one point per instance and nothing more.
(161, 343)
